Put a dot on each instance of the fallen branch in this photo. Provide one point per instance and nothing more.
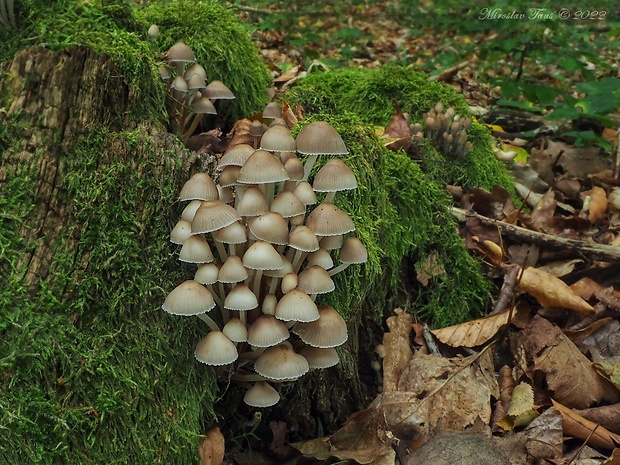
(571, 247)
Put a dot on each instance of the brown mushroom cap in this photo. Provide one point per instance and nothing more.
(189, 298)
(302, 238)
(235, 330)
(196, 250)
(329, 330)
(320, 138)
(334, 176)
(322, 258)
(195, 68)
(353, 251)
(272, 111)
(253, 202)
(332, 242)
(241, 298)
(261, 395)
(262, 167)
(320, 358)
(216, 349)
(232, 271)
(278, 139)
(267, 331)
(236, 156)
(199, 187)
(195, 82)
(217, 90)
(281, 363)
(295, 169)
(315, 280)
(304, 192)
(203, 106)
(296, 305)
(206, 273)
(180, 53)
(329, 220)
(181, 231)
(213, 215)
(262, 256)
(270, 227)
(287, 205)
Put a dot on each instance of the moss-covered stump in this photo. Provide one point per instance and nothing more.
(91, 369)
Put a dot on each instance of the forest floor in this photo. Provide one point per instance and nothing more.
(548, 85)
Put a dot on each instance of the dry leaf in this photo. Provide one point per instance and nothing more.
(398, 131)
(597, 205)
(287, 115)
(397, 349)
(577, 426)
(473, 333)
(212, 448)
(607, 416)
(568, 373)
(551, 291)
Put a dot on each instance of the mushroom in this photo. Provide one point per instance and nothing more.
(216, 349)
(333, 177)
(199, 187)
(352, 251)
(178, 55)
(329, 330)
(281, 363)
(328, 220)
(261, 394)
(319, 138)
(267, 331)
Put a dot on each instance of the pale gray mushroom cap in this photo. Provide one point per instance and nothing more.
(216, 349)
(281, 363)
(199, 187)
(217, 90)
(329, 220)
(278, 139)
(213, 215)
(329, 330)
(261, 395)
(320, 358)
(334, 176)
(296, 305)
(320, 138)
(241, 298)
(196, 250)
(267, 331)
(262, 167)
(189, 298)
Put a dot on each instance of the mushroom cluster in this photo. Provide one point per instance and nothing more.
(446, 130)
(192, 97)
(263, 255)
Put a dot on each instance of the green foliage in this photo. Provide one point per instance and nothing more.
(91, 370)
(221, 45)
(369, 93)
(400, 212)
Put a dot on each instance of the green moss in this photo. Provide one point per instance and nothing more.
(92, 370)
(369, 94)
(400, 213)
(221, 46)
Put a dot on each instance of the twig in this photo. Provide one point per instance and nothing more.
(570, 247)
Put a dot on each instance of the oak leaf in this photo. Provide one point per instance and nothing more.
(575, 425)
(473, 333)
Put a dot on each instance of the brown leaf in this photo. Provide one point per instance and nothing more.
(473, 333)
(551, 291)
(577, 426)
(568, 373)
(607, 416)
(287, 115)
(398, 129)
(240, 133)
(397, 349)
(212, 448)
(598, 205)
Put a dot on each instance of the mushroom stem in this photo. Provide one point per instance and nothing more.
(216, 297)
(250, 377)
(273, 287)
(209, 321)
(308, 166)
(330, 197)
(221, 251)
(338, 269)
(192, 127)
(258, 276)
(300, 260)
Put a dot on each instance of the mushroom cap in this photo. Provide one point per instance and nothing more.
(315, 280)
(302, 238)
(180, 53)
(229, 175)
(189, 211)
(226, 194)
(269, 304)
(213, 215)
(203, 106)
(232, 271)
(179, 84)
(328, 220)
(332, 242)
(199, 187)
(267, 331)
(195, 68)
(261, 395)
(334, 176)
(253, 202)
(262, 256)
(272, 111)
(241, 298)
(236, 156)
(181, 231)
(206, 273)
(295, 169)
(262, 167)
(195, 82)
(287, 267)
(270, 227)
(189, 298)
(278, 139)
(320, 358)
(281, 363)
(196, 250)
(320, 138)
(216, 349)
(235, 330)
(296, 305)
(304, 192)
(257, 128)
(234, 233)
(330, 330)
(289, 282)
(217, 90)
(287, 205)
(322, 258)
(353, 251)
(153, 31)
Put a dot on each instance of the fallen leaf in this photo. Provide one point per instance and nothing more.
(575, 425)
(473, 333)
(398, 131)
(287, 115)
(606, 415)
(551, 291)
(567, 372)
(597, 206)
(397, 349)
(211, 448)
